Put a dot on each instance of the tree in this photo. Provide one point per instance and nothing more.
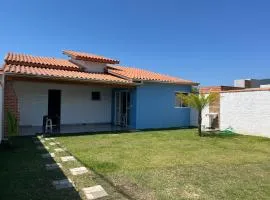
(198, 102)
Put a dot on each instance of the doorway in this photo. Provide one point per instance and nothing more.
(122, 108)
(54, 105)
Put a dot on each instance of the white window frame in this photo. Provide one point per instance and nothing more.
(176, 100)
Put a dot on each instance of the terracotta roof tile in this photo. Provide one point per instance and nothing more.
(38, 61)
(46, 72)
(89, 57)
(140, 74)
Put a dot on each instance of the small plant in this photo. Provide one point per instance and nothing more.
(198, 102)
(12, 125)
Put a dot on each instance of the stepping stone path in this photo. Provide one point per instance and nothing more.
(65, 183)
(53, 166)
(78, 171)
(47, 155)
(59, 150)
(67, 158)
(90, 193)
(49, 139)
(94, 192)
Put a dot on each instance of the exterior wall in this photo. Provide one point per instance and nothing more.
(76, 103)
(90, 66)
(205, 118)
(193, 117)
(246, 112)
(132, 114)
(10, 103)
(155, 106)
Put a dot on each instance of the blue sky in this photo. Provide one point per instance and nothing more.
(211, 42)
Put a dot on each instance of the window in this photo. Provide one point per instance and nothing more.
(96, 96)
(178, 102)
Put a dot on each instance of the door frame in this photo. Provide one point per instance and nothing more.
(60, 99)
(119, 119)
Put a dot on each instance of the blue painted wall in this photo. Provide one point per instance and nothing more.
(155, 106)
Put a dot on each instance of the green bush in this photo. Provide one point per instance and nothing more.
(12, 124)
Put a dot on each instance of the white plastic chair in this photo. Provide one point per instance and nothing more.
(49, 125)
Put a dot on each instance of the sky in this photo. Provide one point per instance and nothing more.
(207, 41)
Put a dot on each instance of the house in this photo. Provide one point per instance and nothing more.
(86, 91)
(243, 108)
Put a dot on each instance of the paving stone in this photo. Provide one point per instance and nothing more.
(46, 147)
(59, 150)
(94, 192)
(67, 158)
(57, 142)
(78, 171)
(42, 141)
(49, 139)
(61, 184)
(47, 155)
(53, 166)
(52, 143)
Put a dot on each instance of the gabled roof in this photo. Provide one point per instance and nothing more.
(23, 64)
(136, 74)
(38, 61)
(59, 73)
(90, 57)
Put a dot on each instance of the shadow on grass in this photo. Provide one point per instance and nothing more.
(113, 132)
(220, 134)
(23, 174)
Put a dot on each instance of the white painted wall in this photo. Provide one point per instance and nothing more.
(193, 117)
(76, 103)
(205, 119)
(246, 112)
(90, 66)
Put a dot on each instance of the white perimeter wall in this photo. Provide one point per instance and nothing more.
(246, 112)
(76, 103)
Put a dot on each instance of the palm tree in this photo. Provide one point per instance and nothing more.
(198, 102)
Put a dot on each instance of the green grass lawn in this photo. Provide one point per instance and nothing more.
(177, 164)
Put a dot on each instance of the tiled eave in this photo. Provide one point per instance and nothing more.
(89, 57)
(56, 74)
(135, 74)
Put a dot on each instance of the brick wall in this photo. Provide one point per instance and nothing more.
(10, 103)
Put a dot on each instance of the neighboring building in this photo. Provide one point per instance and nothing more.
(251, 83)
(241, 110)
(88, 89)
